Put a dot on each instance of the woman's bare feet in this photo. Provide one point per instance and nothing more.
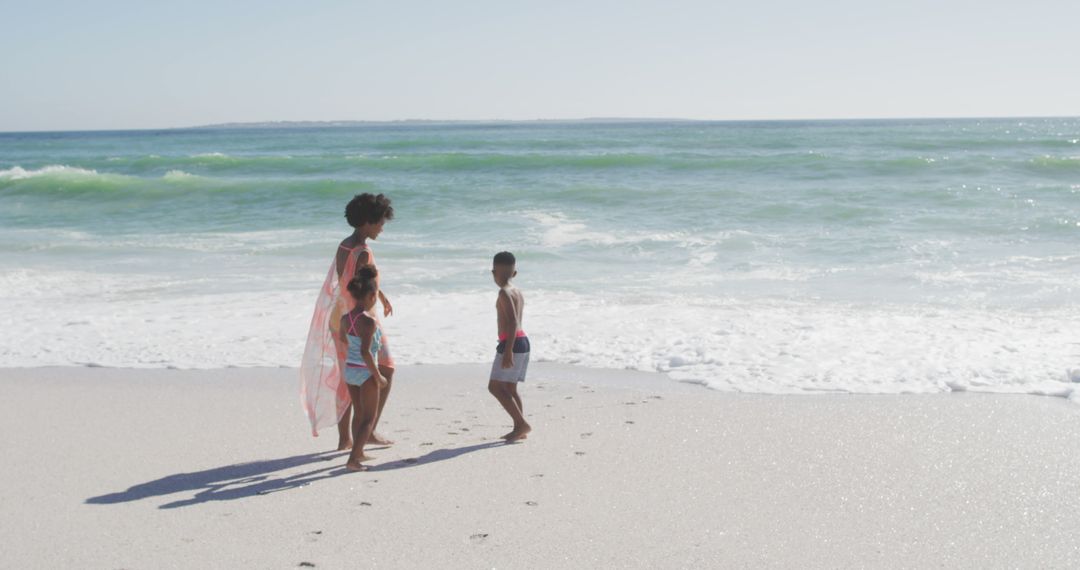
(344, 445)
(377, 439)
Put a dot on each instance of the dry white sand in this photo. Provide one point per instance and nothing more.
(108, 468)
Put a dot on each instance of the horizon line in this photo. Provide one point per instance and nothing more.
(240, 125)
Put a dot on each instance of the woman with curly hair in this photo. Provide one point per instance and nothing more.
(323, 392)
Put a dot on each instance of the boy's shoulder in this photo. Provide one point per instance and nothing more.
(510, 293)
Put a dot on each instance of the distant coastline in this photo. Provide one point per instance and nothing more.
(584, 121)
(524, 122)
(437, 122)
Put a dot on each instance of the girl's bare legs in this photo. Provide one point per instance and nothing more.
(345, 441)
(387, 373)
(366, 401)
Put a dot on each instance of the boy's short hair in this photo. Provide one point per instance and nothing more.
(368, 208)
(505, 258)
(364, 282)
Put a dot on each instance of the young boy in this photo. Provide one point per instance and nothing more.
(512, 354)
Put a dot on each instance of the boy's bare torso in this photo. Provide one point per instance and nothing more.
(515, 311)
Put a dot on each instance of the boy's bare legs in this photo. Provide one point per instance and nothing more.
(521, 431)
(387, 373)
(506, 394)
(344, 441)
(517, 399)
(366, 401)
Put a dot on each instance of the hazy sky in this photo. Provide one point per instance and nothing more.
(117, 65)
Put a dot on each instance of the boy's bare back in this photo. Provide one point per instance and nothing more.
(510, 308)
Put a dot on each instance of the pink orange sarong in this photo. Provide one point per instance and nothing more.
(323, 392)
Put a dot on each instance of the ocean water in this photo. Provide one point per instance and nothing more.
(776, 257)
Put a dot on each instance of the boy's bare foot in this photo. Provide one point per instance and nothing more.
(519, 433)
(379, 440)
(514, 435)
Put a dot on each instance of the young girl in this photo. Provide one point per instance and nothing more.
(362, 337)
(323, 392)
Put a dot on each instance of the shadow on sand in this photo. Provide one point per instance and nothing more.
(228, 482)
(435, 456)
(241, 480)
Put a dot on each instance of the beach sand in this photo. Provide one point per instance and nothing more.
(127, 468)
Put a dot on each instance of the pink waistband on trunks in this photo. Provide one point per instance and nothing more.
(519, 334)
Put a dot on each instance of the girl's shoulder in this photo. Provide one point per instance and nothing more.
(363, 318)
(357, 322)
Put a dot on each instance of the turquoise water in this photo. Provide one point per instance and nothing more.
(869, 256)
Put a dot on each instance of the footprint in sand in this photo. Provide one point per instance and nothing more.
(586, 435)
(538, 475)
(364, 504)
(426, 443)
(306, 565)
(531, 503)
(478, 538)
(629, 421)
(579, 453)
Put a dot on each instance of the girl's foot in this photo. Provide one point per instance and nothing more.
(355, 466)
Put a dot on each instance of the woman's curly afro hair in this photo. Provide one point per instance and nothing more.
(368, 209)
